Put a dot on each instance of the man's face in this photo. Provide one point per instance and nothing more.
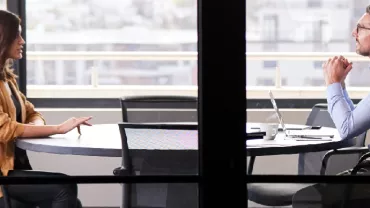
(362, 35)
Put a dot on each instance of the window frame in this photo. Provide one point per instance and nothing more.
(210, 142)
(233, 162)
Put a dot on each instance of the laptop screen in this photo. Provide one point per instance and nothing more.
(276, 110)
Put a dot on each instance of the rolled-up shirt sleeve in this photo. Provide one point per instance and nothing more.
(9, 130)
(349, 120)
(31, 113)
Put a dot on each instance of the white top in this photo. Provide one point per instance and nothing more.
(105, 140)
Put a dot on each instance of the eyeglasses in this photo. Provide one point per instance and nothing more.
(362, 27)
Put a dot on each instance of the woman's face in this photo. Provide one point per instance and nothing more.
(15, 50)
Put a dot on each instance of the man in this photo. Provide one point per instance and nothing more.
(349, 121)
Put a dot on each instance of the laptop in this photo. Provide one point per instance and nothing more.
(306, 132)
(278, 114)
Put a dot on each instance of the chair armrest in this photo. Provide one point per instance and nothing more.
(343, 151)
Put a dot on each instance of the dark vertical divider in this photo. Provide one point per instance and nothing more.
(19, 7)
(222, 103)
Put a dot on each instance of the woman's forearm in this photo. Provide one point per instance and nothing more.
(38, 122)
(39, 131)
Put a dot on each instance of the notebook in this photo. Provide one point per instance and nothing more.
(254, 134)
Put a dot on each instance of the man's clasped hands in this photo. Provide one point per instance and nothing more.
(336, 70)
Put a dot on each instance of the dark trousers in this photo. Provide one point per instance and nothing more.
(41, 195)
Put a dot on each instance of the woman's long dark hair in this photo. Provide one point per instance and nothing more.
(9, 29)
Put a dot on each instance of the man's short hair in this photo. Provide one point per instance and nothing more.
(368, 9)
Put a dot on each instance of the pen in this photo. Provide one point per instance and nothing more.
(308, 137)
(313, 137)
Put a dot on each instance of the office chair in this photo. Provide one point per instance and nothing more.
(8, 202)
(162, 132)
(160, 102)
(135, 196)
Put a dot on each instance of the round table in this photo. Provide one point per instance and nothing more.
(105, 140)
(170, 150)
(288, 145)
(153, 152)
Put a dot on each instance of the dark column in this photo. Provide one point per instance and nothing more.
(222, 103)
(19, 7)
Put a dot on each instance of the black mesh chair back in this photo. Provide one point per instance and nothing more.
(166, 162)
(159, 106)
(310, 163)
(125, 169)
(138, 112)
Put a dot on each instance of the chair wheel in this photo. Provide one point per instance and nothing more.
(121, 171)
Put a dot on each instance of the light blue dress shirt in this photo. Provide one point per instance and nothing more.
(350, 121)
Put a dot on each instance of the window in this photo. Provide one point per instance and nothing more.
(317, 64)
(318, 82)
(314, 3)
(51, 75)
(265, 81)
(2, 4)
(65, 23)
(298, 36)
(131, 62)
(270, 25)
(269, 64)
(111, 48)
(284, 82)
(317, 30)
(270, 81)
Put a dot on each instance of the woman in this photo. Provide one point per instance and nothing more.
(18, 119)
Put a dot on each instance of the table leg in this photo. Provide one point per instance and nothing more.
(126, 196)
(251, 163)
(126, 187)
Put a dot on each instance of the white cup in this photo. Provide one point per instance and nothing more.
(271, 130)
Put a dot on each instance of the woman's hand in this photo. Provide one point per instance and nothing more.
(72, 123)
